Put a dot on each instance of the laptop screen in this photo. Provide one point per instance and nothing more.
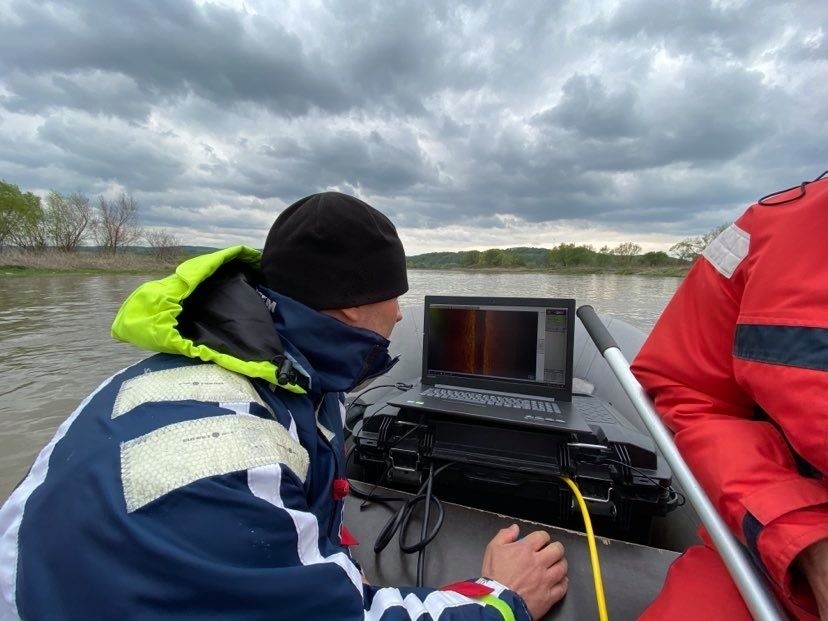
(517, 345)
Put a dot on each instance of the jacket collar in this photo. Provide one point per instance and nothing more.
(336, 356)
(149, 318)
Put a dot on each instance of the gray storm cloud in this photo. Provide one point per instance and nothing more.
(623, 115)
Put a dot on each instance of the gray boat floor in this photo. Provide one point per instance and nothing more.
(632, 574)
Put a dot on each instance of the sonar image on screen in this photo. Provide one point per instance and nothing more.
(493, 343)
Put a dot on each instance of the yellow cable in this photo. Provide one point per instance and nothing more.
(593, 552)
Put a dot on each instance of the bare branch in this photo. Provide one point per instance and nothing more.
(116, 224)
(163, 244)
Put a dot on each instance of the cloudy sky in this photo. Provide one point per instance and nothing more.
(471, 124)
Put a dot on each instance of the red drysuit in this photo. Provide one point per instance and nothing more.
(738, 368)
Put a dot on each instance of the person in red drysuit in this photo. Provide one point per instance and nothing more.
(737, 366)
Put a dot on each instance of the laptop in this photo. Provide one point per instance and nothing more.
(501, 360)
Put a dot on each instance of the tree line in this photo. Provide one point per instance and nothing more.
(566, 255)
(66, 222)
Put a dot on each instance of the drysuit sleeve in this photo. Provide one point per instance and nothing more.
(733, 418)
(491, 602)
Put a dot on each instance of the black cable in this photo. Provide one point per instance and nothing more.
(369, 496)
(764, 200)
(397, 385)
(403, 515)
(349, 429)
(400, 520)
(656, 482)
(424, 527)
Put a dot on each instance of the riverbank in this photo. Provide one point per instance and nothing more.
(20, 263)
(580, 270)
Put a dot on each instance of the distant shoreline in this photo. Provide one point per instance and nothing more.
(670, 271)
(18, 263)
(151, 270)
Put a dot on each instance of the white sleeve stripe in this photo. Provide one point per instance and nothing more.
(238, 408)
(434, 604)
(265, 482)
(728, 250)
(342, 411)
(11, 513)
(329, 435)
(292, 430)
(494, 585)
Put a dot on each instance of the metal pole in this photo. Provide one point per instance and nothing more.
(750, 583)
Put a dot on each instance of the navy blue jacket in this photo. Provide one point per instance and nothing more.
(193, 486)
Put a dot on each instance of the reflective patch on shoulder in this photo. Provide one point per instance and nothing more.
(728, 250)
(201, 382)
(178, 454)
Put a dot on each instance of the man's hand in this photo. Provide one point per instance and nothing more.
(533, 567)
(813, 561)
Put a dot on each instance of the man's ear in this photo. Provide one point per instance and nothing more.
(351, 316)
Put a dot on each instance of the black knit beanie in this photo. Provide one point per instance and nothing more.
(331, 250)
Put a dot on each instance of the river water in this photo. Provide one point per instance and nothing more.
(55, 346)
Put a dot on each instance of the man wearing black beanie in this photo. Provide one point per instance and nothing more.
(349, 249)
(208, 481)
(339, 255)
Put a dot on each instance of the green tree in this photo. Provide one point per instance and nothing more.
(689, 248)
(514, 258)
(582, 255)
(559, 256)
(626, 252)
(470, 258)
(656, 259)
(604, 257)
(20, 215)
(493, 257)
(529, 256)
(31, 235)
(67, 219)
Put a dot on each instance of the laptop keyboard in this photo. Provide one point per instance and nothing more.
(595, 412)
(519, 403)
